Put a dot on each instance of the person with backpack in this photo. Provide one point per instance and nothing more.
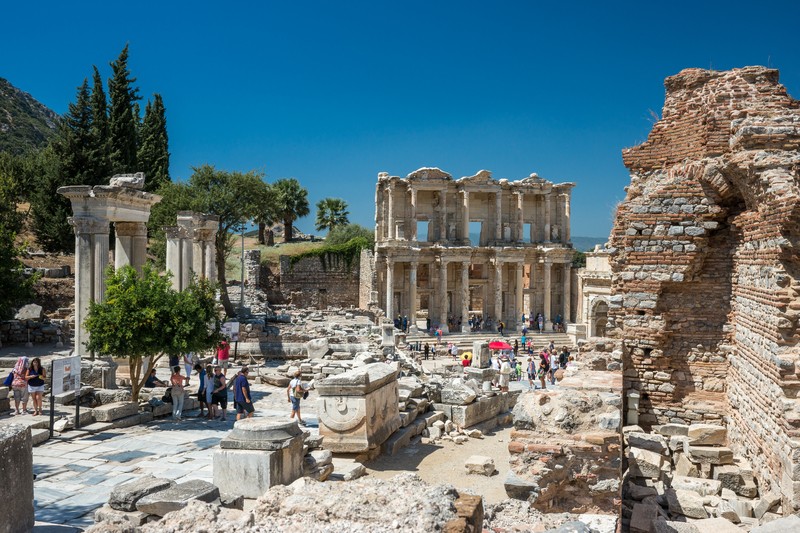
(242, 399)
(294, 393)
(19, 385)
(219, 396)
(177, 381)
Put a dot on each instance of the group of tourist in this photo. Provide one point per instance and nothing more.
(509, 365)
(26, 381)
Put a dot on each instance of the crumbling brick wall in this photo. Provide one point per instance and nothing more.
(705, 272)
(308, 284)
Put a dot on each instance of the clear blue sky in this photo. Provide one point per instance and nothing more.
(334, 92)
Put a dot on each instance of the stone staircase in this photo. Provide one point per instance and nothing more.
(464, 340)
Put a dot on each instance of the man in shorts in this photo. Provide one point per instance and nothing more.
(223, 356)
(241, 395)
(294, 393)
(219, 396)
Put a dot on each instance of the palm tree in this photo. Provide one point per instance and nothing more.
(291, 203)
(331, 212)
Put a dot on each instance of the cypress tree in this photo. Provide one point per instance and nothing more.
(154, 145)
(122, 121)
(100, 161)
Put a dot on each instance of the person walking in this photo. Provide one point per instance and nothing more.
(531, 370)
(505, 373)
(294, 393)
(223, 356)
(19, 385)
(241, 395)
(187, 365)
(201, 391)
(36, 376)
(544, 367)
(219, 396)
(208, 391)
(427, 351)
(177, 381)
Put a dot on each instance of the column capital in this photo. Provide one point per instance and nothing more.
(130, 229)
(88, 225)
(176, 232)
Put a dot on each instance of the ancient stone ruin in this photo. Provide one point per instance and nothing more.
(705, 289)
(191, 248)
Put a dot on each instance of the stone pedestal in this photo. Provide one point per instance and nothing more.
(16, 475)
(259, 453)
(480, 354)
(358, 410)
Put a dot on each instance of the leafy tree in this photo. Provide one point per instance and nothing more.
(291, 202)
(578, 259)
(153, 155)
(331, 212)
(122, 120)
(174, 197)
(343, 234)
(142, 316)
(266, 213)
(99, 156)
(15, 288)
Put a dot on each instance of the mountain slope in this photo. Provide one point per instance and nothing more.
(24, 122)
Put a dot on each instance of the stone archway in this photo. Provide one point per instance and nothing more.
(598, 317)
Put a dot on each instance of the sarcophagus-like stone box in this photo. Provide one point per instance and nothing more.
(358, 410)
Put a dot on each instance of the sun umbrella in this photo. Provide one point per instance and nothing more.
(467, 356)
(498, 345)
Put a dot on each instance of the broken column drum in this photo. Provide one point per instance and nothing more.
(358, 410)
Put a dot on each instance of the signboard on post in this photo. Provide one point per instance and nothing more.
(231, 331)
(66, 374)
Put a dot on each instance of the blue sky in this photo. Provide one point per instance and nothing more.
(334, 92)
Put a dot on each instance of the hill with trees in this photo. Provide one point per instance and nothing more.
(25, 123)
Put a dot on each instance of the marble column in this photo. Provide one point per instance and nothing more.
(412, 231)
(498, 292)
(465, 217)
(566, 219)
(412, 297)
(131, 245)
(443, 236)
(547, 207)
(199, 253)
(465, 296)
(211, 258)
(520, 217)
(518, 307)
(442, 304)
(187, 260)
(547, 291)
(498, 206)
(390, 288)
(174, 255)
(567, 295)
(91, 247)
(390, 210)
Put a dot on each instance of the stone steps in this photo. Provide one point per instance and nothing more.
(465, 340)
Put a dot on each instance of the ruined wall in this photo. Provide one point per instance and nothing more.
(308, 284)
(367, 284)
(705, 277)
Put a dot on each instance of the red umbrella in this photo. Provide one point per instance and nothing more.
(498, 345)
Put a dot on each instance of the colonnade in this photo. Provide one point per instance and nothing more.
(191, 248)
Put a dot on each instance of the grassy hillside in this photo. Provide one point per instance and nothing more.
(25, 124)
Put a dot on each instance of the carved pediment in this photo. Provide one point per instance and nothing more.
(429, 173)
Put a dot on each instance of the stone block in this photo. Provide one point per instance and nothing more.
(398, 440)
(715, 455)
(766, 503)
(642, 518)
(317, 348)
(132, 420)
(98, 427)
(667, 526)
(39, 436)
(458, 395)
(707, 435)
(716, 525)
(316, 459)
(114, 411)
(519, 488)
(725, 510)
(16, 477)
(481, 465)
(346, 469)
(320, 473)
(647, 441)
(703, 487)
(738, 479)
(432, 417)
(263, 434)
(124, 497)
(176, 497)
(411, 385)
(110, 515)
(644, 463)
(679, 444)
(673, 430)
(231, 501)
(684, 467)
(686, 502)
(786, 524)
(485, 408)
(638, 493)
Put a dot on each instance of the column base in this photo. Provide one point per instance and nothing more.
(465, 327)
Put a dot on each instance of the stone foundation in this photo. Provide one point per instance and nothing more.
(16, 475)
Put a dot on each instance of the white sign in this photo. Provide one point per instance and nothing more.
(231, 331)
(66, 374)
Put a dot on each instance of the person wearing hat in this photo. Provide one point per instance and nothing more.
(505, 373)
(294, 393)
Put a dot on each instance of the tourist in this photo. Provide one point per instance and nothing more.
(428, 324)
(544, 367)
(241, 395)
(152, 381)
(524, 339)
(177, 381)
(19, 385)
(553, 357)
(551, 346)
(540, 322)
(219, 396)
(201, 391)
(516, 348)
(36, 376)
(438, 336)
(500, 327)
(427, 351)
(209, 391)
(454, 352)
(557, 323)
(294, 393)
(223, 356)
(531, 373)
(505, 373)
(405, 324)
(563, 357)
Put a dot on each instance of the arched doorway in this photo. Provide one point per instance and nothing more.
(598, 319)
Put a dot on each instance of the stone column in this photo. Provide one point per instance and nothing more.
(498, 291)
(547, 291)
(389, 288)
(412, 232)
(520, 217)
(211, 259)
(199, 253)
(187, 259)
(390, 210)
(547, 206)
(412, 297)
(498, 223)
(518, 307)
(91, 256)
(465, 296)
(443, 296)
(567, 295)
(174, 256)
(565, 224)
(465, 217)
(131, 245)
(443, 206)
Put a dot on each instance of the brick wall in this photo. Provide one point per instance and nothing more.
(705, 276)
(308, 284)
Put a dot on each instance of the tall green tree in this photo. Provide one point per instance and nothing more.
(331, 212)
(142, 316)
(153, 155)
(291, 203)
(348, 232)
(122, 120)
(100, 158)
